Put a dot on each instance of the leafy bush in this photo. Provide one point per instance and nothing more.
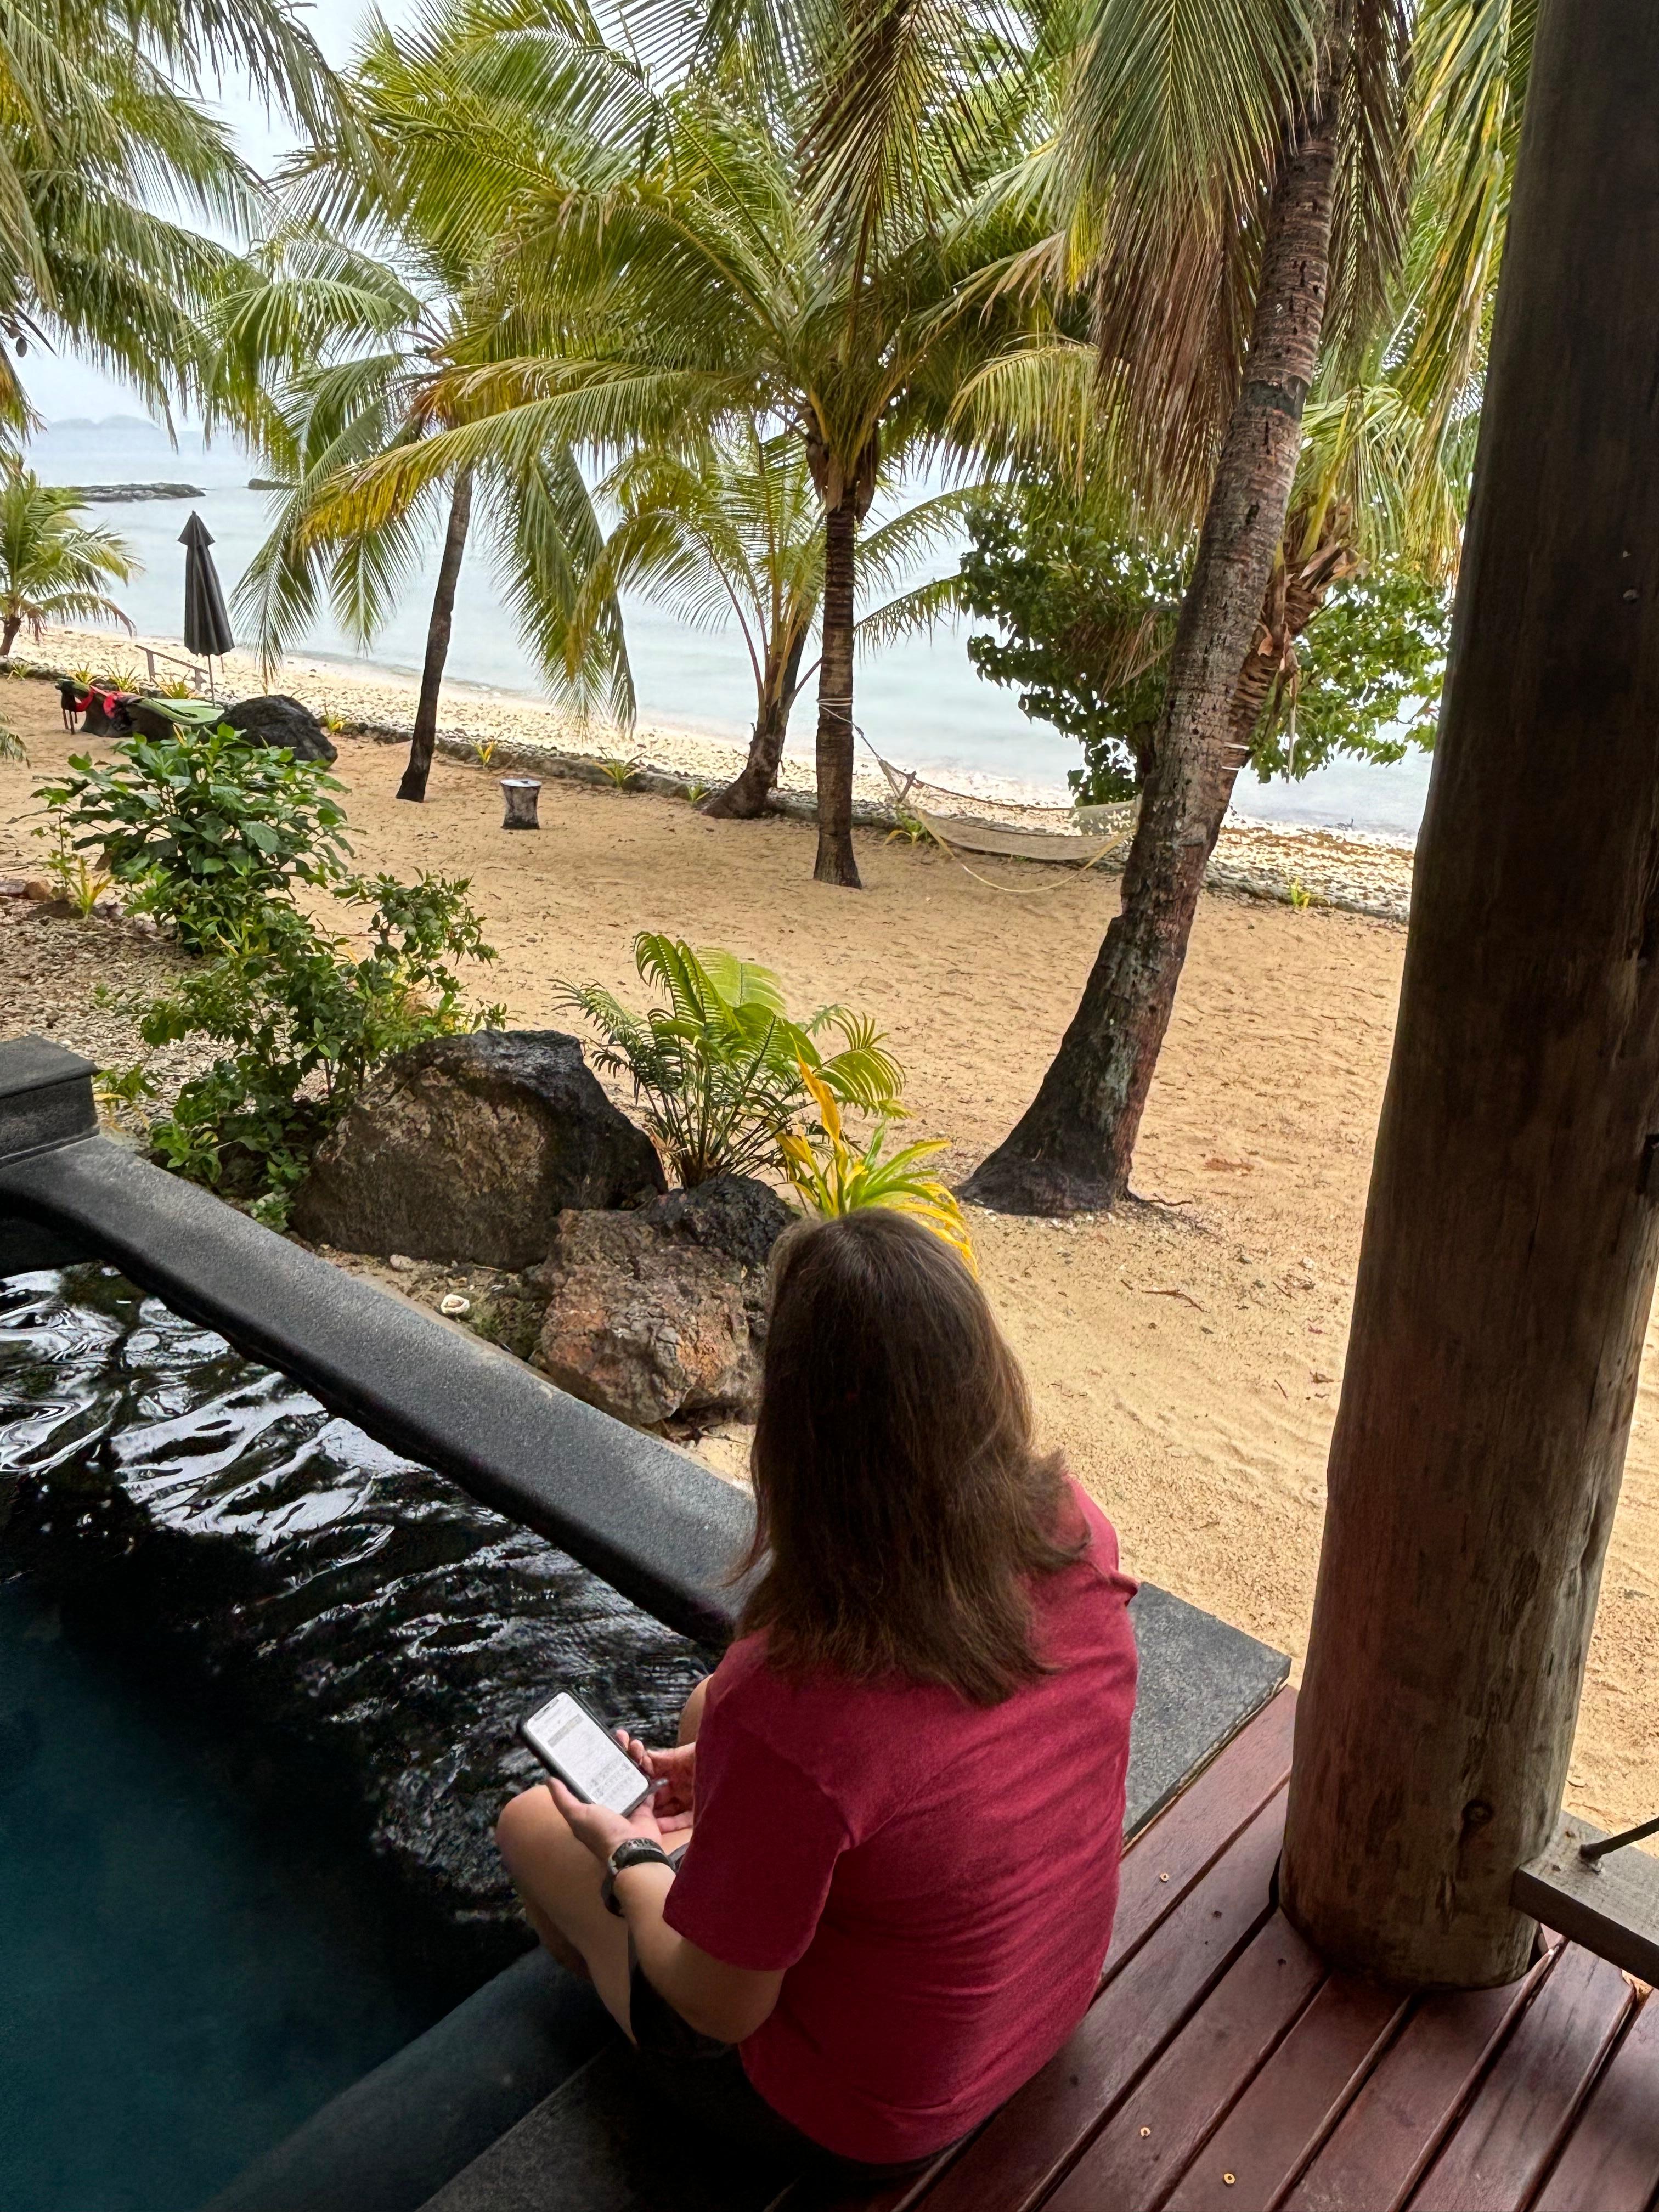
(830, 1178)
(720, 1069)
(1088, 618)
(202, 826)
(305, 1024)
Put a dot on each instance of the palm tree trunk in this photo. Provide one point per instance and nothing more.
(1072, 1150)
(835, 863)
(745, 796)
(437, 641)
(8, 635)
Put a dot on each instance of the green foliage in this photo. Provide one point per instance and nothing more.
(1088, 618)
(77, 884)
(831, 1178)
(12, 747)
(1372, 660)
(620, 773)
(719, 1067)
(304, 1023)
(53, 568)
(125, 1090)
(207, 827)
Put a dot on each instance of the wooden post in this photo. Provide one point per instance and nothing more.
(1510, 1238)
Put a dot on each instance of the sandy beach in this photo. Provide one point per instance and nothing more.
(1349, 870)
(1186, 1354)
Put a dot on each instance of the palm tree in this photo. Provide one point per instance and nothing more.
(358, 336)
(735, 532)
(98, 130)
(52, 566)
(679, 277)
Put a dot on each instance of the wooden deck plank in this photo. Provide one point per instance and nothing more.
(1131, 2163)
(1531, 2095)
(1189, 1836)
(1025, 2147)
(1610, 2162)
(1373, 2157)
(1295, 2101)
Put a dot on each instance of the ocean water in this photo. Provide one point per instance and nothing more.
(919, 702)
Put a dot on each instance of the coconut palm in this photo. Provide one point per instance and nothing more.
(53, 568)
(363, 333)
(734, 532)
(102, 146)
(682, 278)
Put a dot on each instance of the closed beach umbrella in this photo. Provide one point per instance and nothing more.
(207, 623)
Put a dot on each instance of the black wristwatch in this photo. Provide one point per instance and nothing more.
(634, 1850)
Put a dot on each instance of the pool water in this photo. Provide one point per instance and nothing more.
(187, 1969)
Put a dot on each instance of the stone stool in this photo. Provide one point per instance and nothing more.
(520, 793)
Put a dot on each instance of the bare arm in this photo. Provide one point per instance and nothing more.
(728, 2002)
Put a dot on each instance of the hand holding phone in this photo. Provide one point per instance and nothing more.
(674, 1772)
(573, 1744)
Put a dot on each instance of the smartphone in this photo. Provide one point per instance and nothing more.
(570, 1742)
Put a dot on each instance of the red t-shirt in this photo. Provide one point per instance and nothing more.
(937, 1879)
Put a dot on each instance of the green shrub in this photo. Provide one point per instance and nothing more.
(203, 827)
(718, 1069)
(305, 1024)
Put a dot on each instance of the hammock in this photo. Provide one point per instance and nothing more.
(1065, 836)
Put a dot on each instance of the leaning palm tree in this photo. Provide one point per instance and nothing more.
(734, 532)
(53, 567)
(1275, 516)
(680, 277)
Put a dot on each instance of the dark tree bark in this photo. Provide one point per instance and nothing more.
(8, 635)
(1071, 1149)
(745, 796)
(1512, 1232)
(437, 641)
(835, 863)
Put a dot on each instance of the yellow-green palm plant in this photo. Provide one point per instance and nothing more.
(719, 1067)
(733, 532)
(830, 1178)
(653, 300)
(53, 567)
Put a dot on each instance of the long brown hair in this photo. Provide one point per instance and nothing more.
(900, 1510)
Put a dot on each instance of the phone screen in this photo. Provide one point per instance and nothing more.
(565, 1736)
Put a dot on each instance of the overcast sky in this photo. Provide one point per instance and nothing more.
(60, 385)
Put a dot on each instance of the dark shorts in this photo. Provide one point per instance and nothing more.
(705, 2082)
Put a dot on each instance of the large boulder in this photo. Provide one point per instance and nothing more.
(471, 1148)
(276, 720)
(660, 1314)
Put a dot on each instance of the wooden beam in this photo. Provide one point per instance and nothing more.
(1510, 1239)
(1610, 1904)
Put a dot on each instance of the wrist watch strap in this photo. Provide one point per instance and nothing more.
(637, 1851)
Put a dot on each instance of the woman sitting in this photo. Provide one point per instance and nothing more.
(907, 1773)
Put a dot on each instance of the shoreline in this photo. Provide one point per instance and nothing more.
(1357, 871)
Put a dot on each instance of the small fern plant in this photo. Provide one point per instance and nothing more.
(717, 1065)
(830, 1178)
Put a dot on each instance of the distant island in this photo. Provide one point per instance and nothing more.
(107, 494)
(268, 483)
